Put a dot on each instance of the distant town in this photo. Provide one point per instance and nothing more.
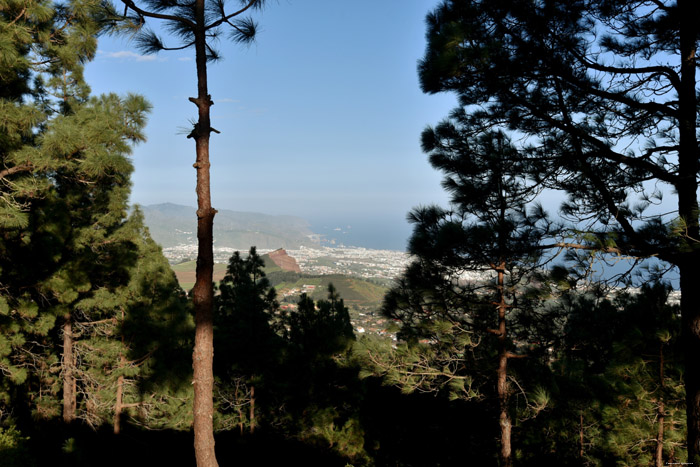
(380, 266)
(350, 261)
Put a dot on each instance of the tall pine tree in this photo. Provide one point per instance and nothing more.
(602, 97)
(65, 186)
(248, 345)
(197, 24)
(475, 274)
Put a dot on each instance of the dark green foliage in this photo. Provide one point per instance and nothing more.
(601, 98)
(645, 373)
(246, 308)
(138, 331)
(444, 301)
(69, 253)
(248, 348)
(469, 301)
(290, 366)
(65, 185)
(14, 446)
(321, 380)
(604, 386)
(320, 330)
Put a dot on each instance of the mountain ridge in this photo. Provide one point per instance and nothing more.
(174, 224)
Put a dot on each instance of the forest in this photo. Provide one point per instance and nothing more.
(535, 360)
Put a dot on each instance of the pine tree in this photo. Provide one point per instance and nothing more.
(603, 99)
(197, 24)
(320, 330)
(613, 381)
(65, 189)
(245, 338)
(320, 380)
(474, 276)
(133, 341)
(644, 421)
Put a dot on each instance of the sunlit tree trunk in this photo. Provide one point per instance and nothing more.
(70, 403)
(502, 374)
(203, 293)
(118, 405)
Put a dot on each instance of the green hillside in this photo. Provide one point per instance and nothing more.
(270, 265)
(354, 290)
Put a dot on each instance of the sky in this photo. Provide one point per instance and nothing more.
(319, 118)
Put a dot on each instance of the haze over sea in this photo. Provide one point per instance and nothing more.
(376, 234)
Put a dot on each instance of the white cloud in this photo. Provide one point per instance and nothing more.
(129, 55)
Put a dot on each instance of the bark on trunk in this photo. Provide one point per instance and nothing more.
(690, 311)
(502, 385)
(660, 411)
(688, 211)
(70, 402)
(118, 405)
(580, 436)
(252, 410)
(203, 293)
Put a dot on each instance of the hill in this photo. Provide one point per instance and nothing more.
(354, 290)
(281, 259)
(172, 224)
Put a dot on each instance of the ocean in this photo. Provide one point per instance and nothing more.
(377, 234)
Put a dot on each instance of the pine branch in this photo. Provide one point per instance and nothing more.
(149, 14)
(16, 169)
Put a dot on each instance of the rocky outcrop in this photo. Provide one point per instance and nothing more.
(284, 261)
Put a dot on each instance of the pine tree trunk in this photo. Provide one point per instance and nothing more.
(502, 384)
(660, 411)
(690, 312)
(580, 436)
(203, 293)
(70, 402)
(252, 410)
(119, 403)
(118, 406)
(688, 211)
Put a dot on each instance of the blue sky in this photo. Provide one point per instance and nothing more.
(320, 118)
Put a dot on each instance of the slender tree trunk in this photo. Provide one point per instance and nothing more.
(240, 412)
(203, 293)
(70, 402)
(252, 410)
(690, 300)
(688, 211)
(580, 435)
(502, 384)
(118, 405)
(660, 412)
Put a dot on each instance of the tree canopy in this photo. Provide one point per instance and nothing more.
(601, 99)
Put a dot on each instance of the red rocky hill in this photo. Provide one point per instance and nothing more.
(284, 261)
